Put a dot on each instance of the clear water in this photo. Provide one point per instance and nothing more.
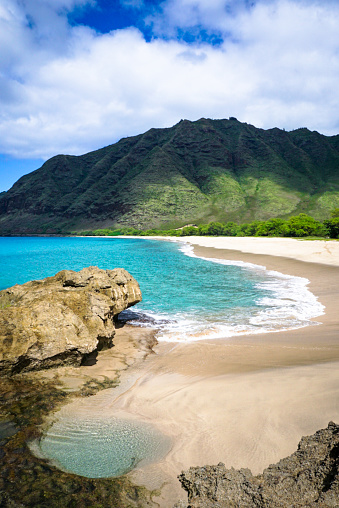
(97, 448)
(186, 298)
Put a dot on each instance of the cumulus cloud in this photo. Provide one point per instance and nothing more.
(70, 89)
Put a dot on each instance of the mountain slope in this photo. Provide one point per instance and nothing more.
(195, 171)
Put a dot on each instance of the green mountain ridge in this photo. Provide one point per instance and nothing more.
(192, 172)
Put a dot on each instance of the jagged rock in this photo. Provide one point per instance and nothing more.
(61, 319)
(307, 478)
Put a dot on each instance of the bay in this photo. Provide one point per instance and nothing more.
(186, 298)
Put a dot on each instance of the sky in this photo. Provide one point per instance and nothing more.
(77, 75)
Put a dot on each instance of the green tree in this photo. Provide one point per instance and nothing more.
(332, 226)
(216, 229)
(273, 227)
(174, 232)
(232, 229)
(190, 231)
(303, 225)
(152, 232)
(203, 229)
(251, 228)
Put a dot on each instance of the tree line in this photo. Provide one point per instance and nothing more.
(298, 226)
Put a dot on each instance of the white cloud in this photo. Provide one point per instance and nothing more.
(211, 14)
(134, 4)
(70, 90)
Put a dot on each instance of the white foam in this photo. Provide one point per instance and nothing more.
(290, 305)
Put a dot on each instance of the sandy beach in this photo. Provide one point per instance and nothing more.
(247, 400)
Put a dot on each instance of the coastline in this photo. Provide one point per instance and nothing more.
(246, 400)
(323, 283)
(315, 251)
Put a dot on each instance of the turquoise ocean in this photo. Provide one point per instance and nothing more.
(185, 298)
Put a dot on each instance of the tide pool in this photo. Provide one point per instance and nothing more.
(102, 448)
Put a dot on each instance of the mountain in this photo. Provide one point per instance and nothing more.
(192, 172)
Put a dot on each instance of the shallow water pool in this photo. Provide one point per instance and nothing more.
(100, 449)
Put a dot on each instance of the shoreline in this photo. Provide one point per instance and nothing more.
(323, 277)
(323, 283)
(245, 401)
(314, 251)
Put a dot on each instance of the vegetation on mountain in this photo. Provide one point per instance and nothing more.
(298, 226)
(194, 172)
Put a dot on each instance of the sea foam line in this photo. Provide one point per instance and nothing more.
(291, 305)
(290, 294)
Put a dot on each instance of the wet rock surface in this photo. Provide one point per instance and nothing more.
(28, 481)
(41, 323)
(307, 478)
(61, 320)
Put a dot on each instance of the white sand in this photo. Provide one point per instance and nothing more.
(314, 251)
(245, 401)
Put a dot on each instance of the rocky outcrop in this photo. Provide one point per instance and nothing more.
(307, 478)
(60, 320)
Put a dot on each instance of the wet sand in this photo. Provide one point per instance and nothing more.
(245, 401)
(131, 346)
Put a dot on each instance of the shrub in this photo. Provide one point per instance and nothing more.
(332, 226)
(251, 228)
(304, 225)
(273, 227)
(189, 231)
(232, 229)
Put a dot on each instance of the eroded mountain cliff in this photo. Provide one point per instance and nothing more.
(192, 172)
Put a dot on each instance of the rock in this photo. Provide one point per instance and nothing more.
(61, 319)
(307, 478)
(7, 429)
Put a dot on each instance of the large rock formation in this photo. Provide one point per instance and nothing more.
(307, 478)
(61, 319)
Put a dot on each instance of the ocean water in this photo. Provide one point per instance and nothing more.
(184, 297)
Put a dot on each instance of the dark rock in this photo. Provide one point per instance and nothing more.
(307, 478)
(7, 429)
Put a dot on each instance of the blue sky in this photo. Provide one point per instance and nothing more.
(76, 75)
(105, 15)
